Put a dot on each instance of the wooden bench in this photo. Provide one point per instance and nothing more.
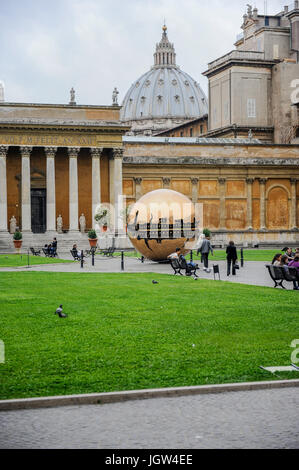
(176, 266)
(76, 255)
(34, 252)
(279, 274)
(109, 252)
(179, 265)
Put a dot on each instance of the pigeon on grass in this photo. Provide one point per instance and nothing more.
(60, 313)
(155, 282)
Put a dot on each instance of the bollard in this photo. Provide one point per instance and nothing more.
(242, 258)
(142, 259)
(191, 256)
(92, 257)
(122, 261)
(82, 260)
(28, 259)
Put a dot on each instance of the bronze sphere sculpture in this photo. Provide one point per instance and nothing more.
(160, 222)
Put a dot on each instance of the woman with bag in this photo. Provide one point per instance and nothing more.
(231, 257)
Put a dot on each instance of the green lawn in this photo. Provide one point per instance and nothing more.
(249, 255)
(124, 333)
(12, 261)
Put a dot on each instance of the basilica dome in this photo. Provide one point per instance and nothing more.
(164, 96)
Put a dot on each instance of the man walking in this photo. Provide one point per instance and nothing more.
(205, 250)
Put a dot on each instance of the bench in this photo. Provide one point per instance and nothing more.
(179, 265)
(76, 255)
(279, 274)
(91, 251)
(109, 252)
(34, 252)
(176, 266)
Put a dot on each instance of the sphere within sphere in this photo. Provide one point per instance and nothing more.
(160, 222)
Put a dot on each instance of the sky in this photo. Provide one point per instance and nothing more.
(50, 46)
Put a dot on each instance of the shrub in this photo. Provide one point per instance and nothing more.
(92, 234)
(17, 235)
(206, 232)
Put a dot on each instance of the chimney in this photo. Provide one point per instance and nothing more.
(286, 9)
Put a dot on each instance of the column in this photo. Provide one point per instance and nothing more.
(51, 191)
(118, 188)
(73, 189)
(249, 182)
(263, 203)
(138, 189)
(166, 183)
(3, 189)
(96, 154)
(194, 182)
(111, 179)
(26, 189)
(293, 220)
(222, 208)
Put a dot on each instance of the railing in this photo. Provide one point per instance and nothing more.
(238, 55)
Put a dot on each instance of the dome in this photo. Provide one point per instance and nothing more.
(165, 95)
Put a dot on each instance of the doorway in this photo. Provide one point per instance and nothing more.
(38, 210)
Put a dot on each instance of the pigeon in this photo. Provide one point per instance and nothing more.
(155, 282)
(60, 313)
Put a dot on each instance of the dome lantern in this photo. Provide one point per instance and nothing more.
(165, 53)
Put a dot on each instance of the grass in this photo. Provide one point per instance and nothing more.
(249, 255)
(13, 261)
(124, 333)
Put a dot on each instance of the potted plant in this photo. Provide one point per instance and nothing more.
(207, 233)
(93, 238)
(17, 240)
(103, 218)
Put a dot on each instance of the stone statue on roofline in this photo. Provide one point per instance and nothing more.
(114, 97)
(73, 96)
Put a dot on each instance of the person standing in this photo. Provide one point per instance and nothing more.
(231, 257)
(54, 246)
(205, 250)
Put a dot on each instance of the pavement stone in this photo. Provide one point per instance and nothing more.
(263, 419)
(253, 273)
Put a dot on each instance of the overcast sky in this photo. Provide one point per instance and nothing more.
(49, 46)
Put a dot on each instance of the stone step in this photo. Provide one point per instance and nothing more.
(65, 241)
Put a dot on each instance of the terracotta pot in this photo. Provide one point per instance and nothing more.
(104, 228)
(93, 242)
(18, 245)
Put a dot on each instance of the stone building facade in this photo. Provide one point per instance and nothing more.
(57, 160)
(254, 86)
(249, 190)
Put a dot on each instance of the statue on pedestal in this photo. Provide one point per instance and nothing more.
(12, 225)
(82, 222)
(114, 97)
(59, 224)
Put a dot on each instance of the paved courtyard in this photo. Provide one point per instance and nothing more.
(253, 273)
(255, 419)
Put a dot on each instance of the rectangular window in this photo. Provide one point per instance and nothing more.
(201, 129)
(182, 134)
(191, 132)
(251, 108)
